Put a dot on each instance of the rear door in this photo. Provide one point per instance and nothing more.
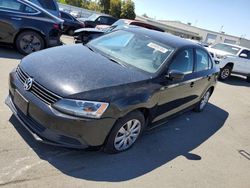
(12, 16)
(203, 72)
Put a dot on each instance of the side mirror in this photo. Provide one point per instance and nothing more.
(243, 55)
(175, 75)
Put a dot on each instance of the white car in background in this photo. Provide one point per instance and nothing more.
(76, 14)
(231, 59)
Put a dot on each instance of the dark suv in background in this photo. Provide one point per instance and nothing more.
(70, 23)
(97, 19)
(29, 27)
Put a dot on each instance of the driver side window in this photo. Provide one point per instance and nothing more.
(183, 62)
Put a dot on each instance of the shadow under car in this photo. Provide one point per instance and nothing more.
(177, 137)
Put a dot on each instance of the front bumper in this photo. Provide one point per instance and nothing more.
(40, 134)
(52, 127)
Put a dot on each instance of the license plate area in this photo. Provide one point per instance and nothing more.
(21, 103)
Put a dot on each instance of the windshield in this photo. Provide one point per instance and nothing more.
(133, 50)
(226, 48)
(93, 17)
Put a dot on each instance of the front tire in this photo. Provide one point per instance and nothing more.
(28, 42)
(225, 72)
(203, 102)
(125, 132)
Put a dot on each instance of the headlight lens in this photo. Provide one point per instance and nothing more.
(81, 108)
(221, 56)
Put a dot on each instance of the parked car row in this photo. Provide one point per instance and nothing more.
(84, 35)
(32, 25)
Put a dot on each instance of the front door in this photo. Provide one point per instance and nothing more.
(177, 95)
(243, 64)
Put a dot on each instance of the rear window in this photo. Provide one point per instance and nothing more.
(46, 4)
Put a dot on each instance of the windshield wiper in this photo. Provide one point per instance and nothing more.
(113, 60)
(90, 48)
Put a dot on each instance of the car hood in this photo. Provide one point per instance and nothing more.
(218, 52)
(73, 69)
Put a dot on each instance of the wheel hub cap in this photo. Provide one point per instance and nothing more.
(127, 134)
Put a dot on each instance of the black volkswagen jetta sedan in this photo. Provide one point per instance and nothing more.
(107, 92)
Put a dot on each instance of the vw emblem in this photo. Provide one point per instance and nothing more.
(28, 83)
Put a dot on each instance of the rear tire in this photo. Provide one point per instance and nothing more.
(203, 102)
(225, 72)
(125, 132)
(28, 42)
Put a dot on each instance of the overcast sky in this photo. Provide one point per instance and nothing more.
(232, 16)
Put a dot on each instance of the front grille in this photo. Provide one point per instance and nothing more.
(38, 90)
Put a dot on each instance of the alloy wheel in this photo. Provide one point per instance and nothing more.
(127, 135)
(204, 100)
(225, 73)
(30, 43)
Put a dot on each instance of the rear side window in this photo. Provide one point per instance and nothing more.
(28, 9)
(203, 61)
(103, 20)
(183, 62)
(111, 21)
(14, 5)
(246, 52)
(11, 5)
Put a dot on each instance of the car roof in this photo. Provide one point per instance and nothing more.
(165, 38)
(142, 24)
(101, 14)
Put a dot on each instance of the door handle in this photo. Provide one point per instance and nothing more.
(15, 18)
(209, 77)
(192, 84)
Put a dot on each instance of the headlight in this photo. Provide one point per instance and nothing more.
(221, 56)
(81, 108)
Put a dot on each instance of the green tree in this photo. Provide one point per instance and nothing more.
(128, 10)
(115, 8)
(93, 5)
(77, 3)
(105, 4)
